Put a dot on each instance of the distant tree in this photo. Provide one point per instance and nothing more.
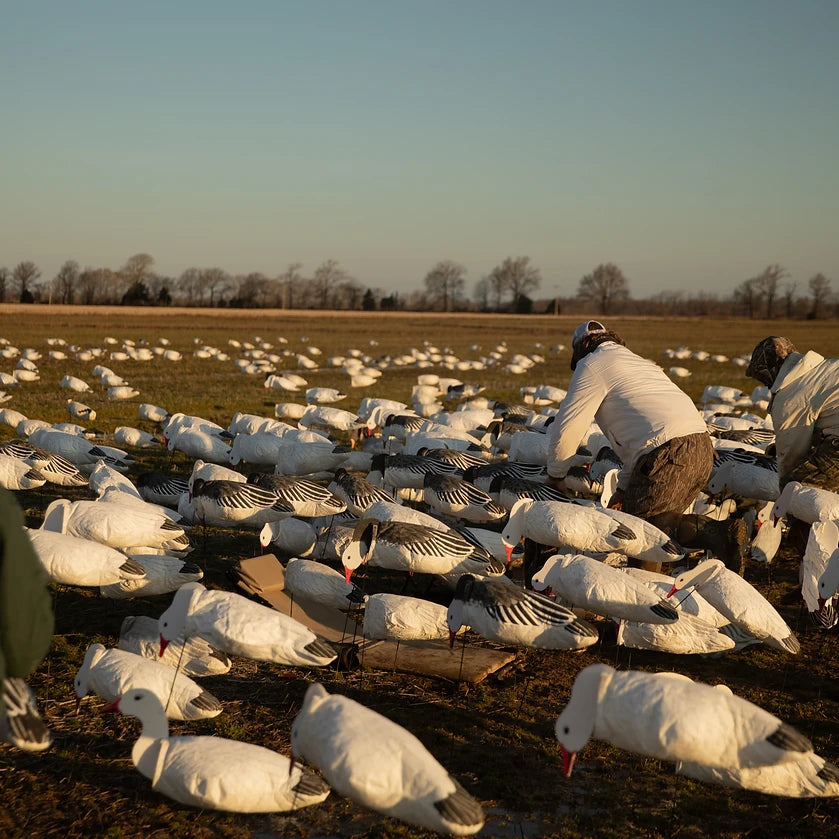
(164, 298)
(768, 282)
(5, 276)
(348, 294)
(819, 286)
(515, 277)
(25, 275)
(480, 294)
(327, 275)
(750, 294)
(368, 302)
(288, 281)
(66, 281)
(136, 295)
(216, 282)
(523, 305)
(604, 287)
(191, 287)
(252, 291)
(390, 303)
(444, 284)
(788, 296)
(137, 269)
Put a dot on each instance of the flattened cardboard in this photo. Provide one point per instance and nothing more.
(264, 577)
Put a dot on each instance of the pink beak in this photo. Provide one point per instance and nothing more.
(509, 550)
(111, 707)
(347, 574)
(822, 601)
(451, 639)
(568, 759)
(163, 645)
(672, 591)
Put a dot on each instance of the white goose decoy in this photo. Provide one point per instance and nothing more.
(581, 581)
(393, 617)
(17, 474)
(111, 673)
(196, 657)
(670, 717)
(314, 581)
(356, 491)
(768, 534)
(105, 478)
(343, 739)
(21, 724)
(821, 546)
(650, 544)
(72, 447)
(740, 602)
(806, 503)
(453, 496)
(56, 469)
(160, 488)
(114, 524)
(78, 410)
(125, 435)
(213, 772)
(164, 574)
(744, 479)
(402, 546)
(238, 626)
(291, 536)
(152, 413)
(310, 457)
(510, 615)
(73, 561)
(75, 384)
(306, 498)
(561, 525)
(227, 503)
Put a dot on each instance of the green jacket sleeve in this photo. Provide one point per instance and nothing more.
(26, 618)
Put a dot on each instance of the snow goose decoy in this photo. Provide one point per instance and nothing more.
(17, 474)
(356, 491)
(453, 496)
(670, 717)
(393, 617)
(767, 536)
(125, 435)
(196, 657)
(306, 498)
(403, 781)
(21, 724)
(213, 772)
(408, 471)
(402, 546)
(110, 673)
(291, 536)
(317, 582)
(78, 410)
(160, 488)
(651, 544)
(55, 468)
(227, 503)
(510, 615)
(806, 503)
(821, 547)
(740, 602)
(561, 525)
(164, 574)
(581, 581)
(238, 626)
(195, 443)
(744, 479)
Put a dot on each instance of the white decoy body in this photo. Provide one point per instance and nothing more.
(113, 524)
(213, 772)
(561, 525)
(291, 536)
(152, 413)
(393, 617)
(164, 574)
(650, 544)
(314, 581)
(453, 496)
(402, 546)
(306, 498)
(356, 491)
(195, 443)
(104, 477)
(196, 657)
(510, 615)
(78, 450)
(690, 635)
(768, 534)
(806, 503)
(821, 547)
(309, 457)
(590, 584)
(380, 765)
(55, 468)
(228, 503)
(740, 602)
(72, 561)
(238, 626)
(670, 717)
(17, 474)
(111, 673)
(744, 479)
(78, 410)
(125, 435)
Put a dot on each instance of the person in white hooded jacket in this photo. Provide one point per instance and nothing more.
(804, 408)
(654, 428)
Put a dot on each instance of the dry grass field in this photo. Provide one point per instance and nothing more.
(496, 738)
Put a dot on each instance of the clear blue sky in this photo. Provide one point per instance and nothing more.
(692, 143)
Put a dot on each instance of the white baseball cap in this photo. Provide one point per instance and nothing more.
(586, 328)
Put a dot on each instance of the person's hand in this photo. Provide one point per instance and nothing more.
(616, 501)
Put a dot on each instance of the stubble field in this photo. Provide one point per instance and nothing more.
(496, 738)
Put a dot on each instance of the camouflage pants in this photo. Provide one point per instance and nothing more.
(668, 479)
(821, 466)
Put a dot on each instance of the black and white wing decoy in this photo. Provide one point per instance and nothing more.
(306, 498)
(455, 497)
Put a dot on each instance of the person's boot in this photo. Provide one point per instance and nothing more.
(726, 540)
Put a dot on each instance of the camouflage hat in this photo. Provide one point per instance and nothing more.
(767, 358)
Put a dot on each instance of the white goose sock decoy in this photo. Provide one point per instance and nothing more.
(740, 602)
(111, 673)
(671, 717)
(212, 772)
(510, 615)
(380, 765)
(806, 503)
(239, 626)
(316, 582)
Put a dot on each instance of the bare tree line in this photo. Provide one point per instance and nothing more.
(510, 286)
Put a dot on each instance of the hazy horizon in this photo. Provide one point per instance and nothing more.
(691, 144)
